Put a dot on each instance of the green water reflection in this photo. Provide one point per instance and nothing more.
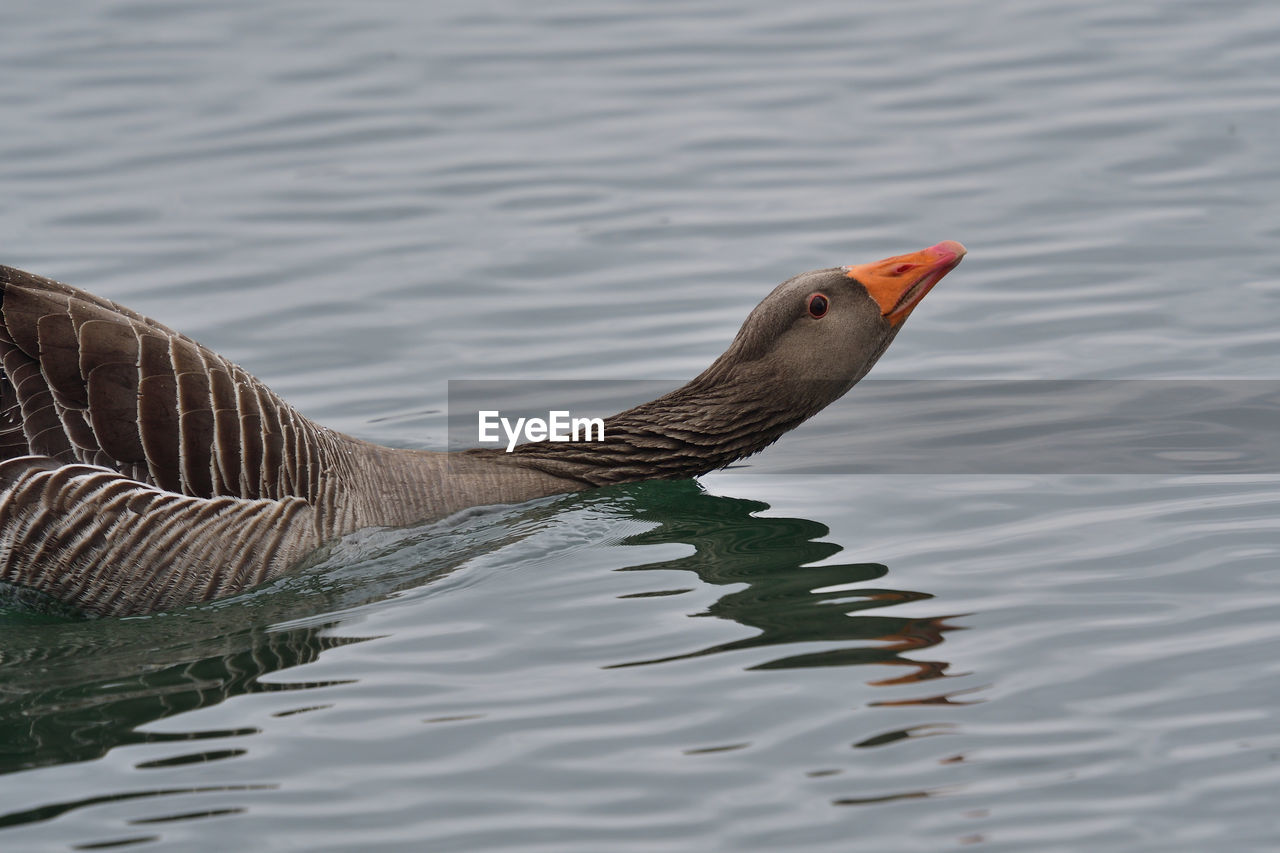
(788, 600)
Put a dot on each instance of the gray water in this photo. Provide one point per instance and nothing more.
(362, 201)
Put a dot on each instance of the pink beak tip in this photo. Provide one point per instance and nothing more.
(950, 247)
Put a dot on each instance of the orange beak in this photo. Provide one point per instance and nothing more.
(898, 284)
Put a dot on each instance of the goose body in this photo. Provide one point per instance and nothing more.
(141, 471)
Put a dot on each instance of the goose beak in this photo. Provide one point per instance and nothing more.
(898, 284)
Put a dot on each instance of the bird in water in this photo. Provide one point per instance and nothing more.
(140, 471)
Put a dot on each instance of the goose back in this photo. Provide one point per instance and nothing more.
(86, 380)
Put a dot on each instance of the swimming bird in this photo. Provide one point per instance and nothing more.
(141, 471)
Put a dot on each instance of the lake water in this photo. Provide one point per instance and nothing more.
(362, 201)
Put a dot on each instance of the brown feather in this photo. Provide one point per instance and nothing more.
(59, 359)
(226, 431)
(23, 309)
(158, 427)
(106, 340)
(251, 440)
(113, 410)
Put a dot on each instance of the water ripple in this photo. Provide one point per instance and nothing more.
(361, 202)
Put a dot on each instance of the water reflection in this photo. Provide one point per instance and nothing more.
(788, 600)
(84, 688)
(73, 689)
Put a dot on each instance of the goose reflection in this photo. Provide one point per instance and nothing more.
(100, 687)
(788, 600)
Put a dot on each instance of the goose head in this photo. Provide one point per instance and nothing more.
(818, 333)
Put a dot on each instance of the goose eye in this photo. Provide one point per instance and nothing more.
(818, 305)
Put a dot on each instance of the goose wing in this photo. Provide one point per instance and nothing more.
(109, 545)
(88, 381)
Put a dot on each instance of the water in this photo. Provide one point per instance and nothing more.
(360, 202)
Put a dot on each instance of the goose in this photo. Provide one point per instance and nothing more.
(141, 471)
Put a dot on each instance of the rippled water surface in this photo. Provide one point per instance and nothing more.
(361, 201)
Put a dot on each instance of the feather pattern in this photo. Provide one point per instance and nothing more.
(140, 470)
(94, 382)
(81, 518)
